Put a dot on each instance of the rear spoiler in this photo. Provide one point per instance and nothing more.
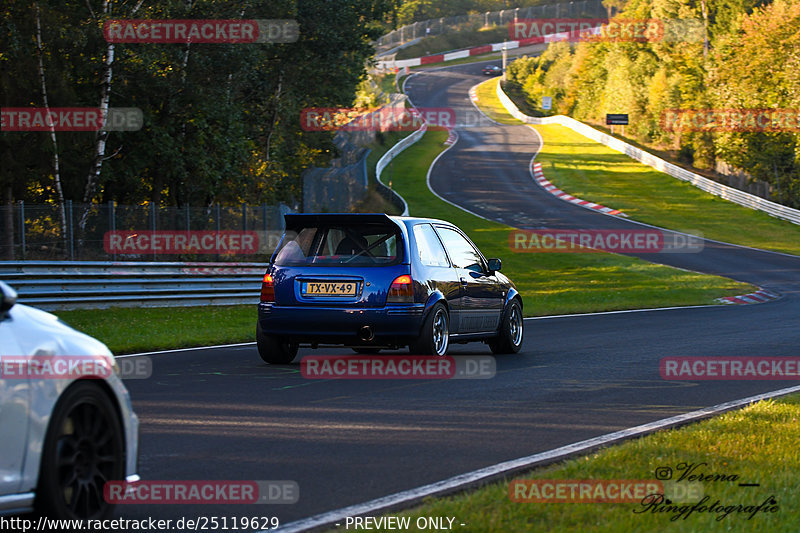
(296, 221)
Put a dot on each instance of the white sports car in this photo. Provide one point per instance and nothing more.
(62, 436)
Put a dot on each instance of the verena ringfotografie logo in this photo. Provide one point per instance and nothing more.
(397, 367)
(73, 367)
(70, 119)
(201, 31)
(384, 119)
(594, 241)
(729, 368)
(531, 31)
(201, 492)
(183, 242)
(752, 120)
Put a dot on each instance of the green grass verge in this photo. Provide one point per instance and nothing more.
(129, 330)
(490, 103)
(592, 171)
(558, 283)
(758, 444)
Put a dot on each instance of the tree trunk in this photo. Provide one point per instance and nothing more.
(93, 177)
(56, 166)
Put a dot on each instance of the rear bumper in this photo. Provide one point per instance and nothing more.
(396, 324)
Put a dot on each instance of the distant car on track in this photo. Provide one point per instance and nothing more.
(492, 70)
(373, 281)
(64, 434)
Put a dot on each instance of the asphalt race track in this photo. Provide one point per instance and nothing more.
(221, 413)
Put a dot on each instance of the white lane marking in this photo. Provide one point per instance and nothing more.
(186, 349)
(430, 168)
(442, 198)
(411, 497)
(621, 311)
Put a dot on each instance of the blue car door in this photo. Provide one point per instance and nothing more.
(482, 295)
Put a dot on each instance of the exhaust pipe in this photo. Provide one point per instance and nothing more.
(365, 333)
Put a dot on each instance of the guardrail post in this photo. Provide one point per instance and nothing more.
(70, 231)
(153, 224)
(244, 217)
(112, 221)
(22, 227)
(217, 222)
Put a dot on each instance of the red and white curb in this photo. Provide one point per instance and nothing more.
(760, 296)
(538, 175)
(484, 49)
(473, 93)
(452, 137)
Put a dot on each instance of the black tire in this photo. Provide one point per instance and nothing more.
(273, 350)
(84, 448)
(511, 331)
(366, 351)
(434, 338)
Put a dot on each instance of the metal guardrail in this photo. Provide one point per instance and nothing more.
(393, 152)
(723, 191)
(61, 285)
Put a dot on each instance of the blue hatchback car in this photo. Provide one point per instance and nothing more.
(373, 281)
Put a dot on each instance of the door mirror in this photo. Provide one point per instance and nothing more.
(494, 265)
(7, 299)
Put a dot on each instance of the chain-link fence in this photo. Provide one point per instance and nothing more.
(111, 232)
(474, 21)
(337, 188)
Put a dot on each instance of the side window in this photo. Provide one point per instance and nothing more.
(430, 249)
(462, 253)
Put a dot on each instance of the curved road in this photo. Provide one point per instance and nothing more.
(221, 413)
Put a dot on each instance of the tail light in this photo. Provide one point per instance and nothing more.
(401, 291)
(267, 288)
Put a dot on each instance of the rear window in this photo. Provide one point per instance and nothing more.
(341, 244)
